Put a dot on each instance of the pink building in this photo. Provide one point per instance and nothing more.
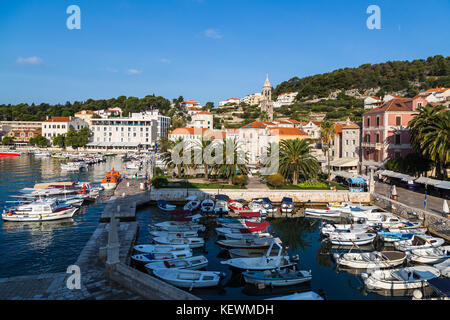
(385, 134)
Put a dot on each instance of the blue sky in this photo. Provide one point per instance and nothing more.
(207, 50)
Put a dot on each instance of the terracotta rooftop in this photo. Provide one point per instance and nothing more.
(392, 105)
(282, 131)
(188, 131)
(58, 119)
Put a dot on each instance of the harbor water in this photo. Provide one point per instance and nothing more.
(36, 248)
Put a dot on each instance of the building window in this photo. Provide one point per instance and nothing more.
(398, 120)
(368, 122)
(397, 139)
(367, 138)
(377, 137)
(378, 121)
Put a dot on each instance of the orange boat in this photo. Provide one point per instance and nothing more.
(114, 174)
(111, 180)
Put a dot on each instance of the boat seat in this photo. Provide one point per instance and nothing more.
(188, 276)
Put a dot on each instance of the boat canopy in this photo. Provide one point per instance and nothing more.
(356, 180)
(222, 197)
(442, 285)
(286, 199)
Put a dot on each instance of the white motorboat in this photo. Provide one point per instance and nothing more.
(191, 263)
(207, 206)
(192, 205)
(165, 205)
(256, 204)
(189, 278)
(191, 242)
(400, 279)
(309, 295)
(346, 238)
(173, 234)
(221, 207)
(326, 228)
(347, 206)
(367, 260)
(245, 244)
(418, 242)
(134, 165)
(399, 236)
(74, 166)
(322, 212)
(430, 255)
(40, 210)
(277, 278)
(287, 205)
(40, 153)
(161, 256)
(444, 268)
(266, 262)
(248, 253)
(178, 226)
(151, 248)
(393, 222)
(370, 217)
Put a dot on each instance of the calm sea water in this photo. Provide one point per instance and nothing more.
(35, 248)
(302, 236)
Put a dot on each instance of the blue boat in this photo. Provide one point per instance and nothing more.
(287, 205)
(397, 236)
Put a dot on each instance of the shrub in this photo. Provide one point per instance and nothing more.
(159, 182)
(240, 180)
(275, 180)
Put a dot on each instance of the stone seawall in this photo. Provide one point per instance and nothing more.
(314, 196)
(437, 224)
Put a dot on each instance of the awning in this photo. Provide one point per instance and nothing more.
(444, 185)
(344, 162)
(429, 181)
(357, 180)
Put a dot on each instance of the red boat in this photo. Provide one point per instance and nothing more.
(236, 205)
(9, 154)
(246, 214)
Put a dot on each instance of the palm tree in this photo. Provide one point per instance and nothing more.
(182, 149)
(327, 136)
(421, 121)
(233, 160)
(296, 159)
(200, 148)
(436, 142)
(164, 143)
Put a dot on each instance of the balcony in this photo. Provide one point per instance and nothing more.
(374, 145)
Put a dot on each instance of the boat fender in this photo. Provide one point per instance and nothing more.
(364, 275)
(167, 264)
(9, 214)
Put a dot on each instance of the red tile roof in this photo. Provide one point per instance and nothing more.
(392, 105)
(282, 131)
(188, 131)
(58, 119)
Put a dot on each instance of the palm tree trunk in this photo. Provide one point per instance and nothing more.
(295, 178)
(206, 172)
(179, 170)
(328, 151)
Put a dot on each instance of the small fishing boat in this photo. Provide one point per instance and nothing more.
(277, 278)
(370, 217)
(366, 260)
(444, 268)
(173, 234)
(189, 278)
(397, 236)
(309, 295)
(151, 248)
(244, 244)
(400, 279)
(256, 204)
(207, 206)
(326, 228)
(322, 212)
(348, 206)
(430, 255)
(109, 183)
(287, 205)
(248, 236)
(191, 263)
(178, 226)
(418, 242)
(191, 242)
(235, 205)
(249, 253)
(161, 256)
(346, 238)
(165, 205)
(192, 205)
(266, 262)
(40, 210)
(258, 228)
(221, 207)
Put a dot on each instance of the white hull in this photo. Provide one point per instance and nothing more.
(428, 242)
(151, 248)
(109, 186)
(349, 239)
(191, 242)
(367, 260)
(430, 255)
(310, 295)
(400, 279)
(322, 213)
(44, 217)
(182, 234)
(189, 278)
(192, 263)
(259, 263)
(444, 268)
(286, 279)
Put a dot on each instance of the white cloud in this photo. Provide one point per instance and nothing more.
(212, 33)
(134, 71)
(165, 60)
(31, 61)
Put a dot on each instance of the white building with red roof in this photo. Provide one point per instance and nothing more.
(60, 126)
(202, 119)
(372, 102)
(231, 101)
(190, 104)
